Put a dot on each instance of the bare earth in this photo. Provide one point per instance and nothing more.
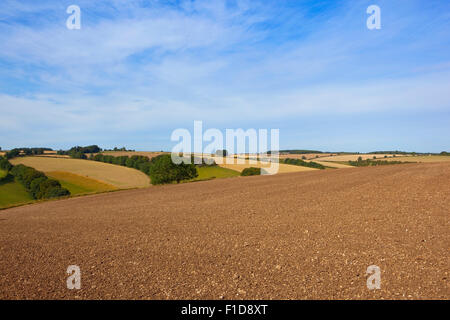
(298, 235)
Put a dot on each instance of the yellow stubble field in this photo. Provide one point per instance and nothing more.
(118, 176)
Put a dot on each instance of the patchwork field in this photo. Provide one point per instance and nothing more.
(205, 173)
(3, 174)
(332, 164)
(307, 235)
(354, 157)
(421, 159)
(117, 176)
(283, 168)
(12, 193)
(78, 185)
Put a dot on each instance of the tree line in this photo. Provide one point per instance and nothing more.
(35, 182)
(369, 162)
(16, 152)
(298, 151)
(299, 162)
(80, 152)
(160, 169)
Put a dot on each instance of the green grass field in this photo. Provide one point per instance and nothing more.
(12, 193)
(207, 173)
(78, 185)
(3, 174)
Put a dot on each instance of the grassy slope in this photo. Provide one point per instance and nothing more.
(205, 173)
(78, 185)
(3, 174)
(12, 193)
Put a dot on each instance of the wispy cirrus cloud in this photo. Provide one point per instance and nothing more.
(138, 66)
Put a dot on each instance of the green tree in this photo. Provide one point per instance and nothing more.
(4, 164)
(252, 171)
(163, 170)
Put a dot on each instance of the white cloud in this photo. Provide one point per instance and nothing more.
(134, 69)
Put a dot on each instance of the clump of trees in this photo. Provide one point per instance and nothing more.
(5, 164)
(36, 182)
(299, 162)
(163, 170)
(252, 171)
(80, 152)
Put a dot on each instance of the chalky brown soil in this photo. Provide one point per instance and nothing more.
(289, 236)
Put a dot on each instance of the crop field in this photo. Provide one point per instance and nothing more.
(332, 164)
(421, 158)
(11, 192)
(206, 173)
(117, 176)
(292, 236)
(78, 185)
(354, 157)
(283, 168)
(3, 174)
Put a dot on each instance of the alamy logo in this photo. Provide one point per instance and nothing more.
(235, 142)
(374, 21)
(74, 279)
(374, 280)
(74, 20)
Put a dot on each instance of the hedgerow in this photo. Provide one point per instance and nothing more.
(299, 162)
(37, 183)
(252, 171)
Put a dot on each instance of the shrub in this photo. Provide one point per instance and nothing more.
(35, 186)
(252, 171)
(4, 164)
(50, 188)
(77, 155)
(12, 154)
(57, 192)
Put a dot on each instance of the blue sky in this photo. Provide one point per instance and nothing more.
(137, 70)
